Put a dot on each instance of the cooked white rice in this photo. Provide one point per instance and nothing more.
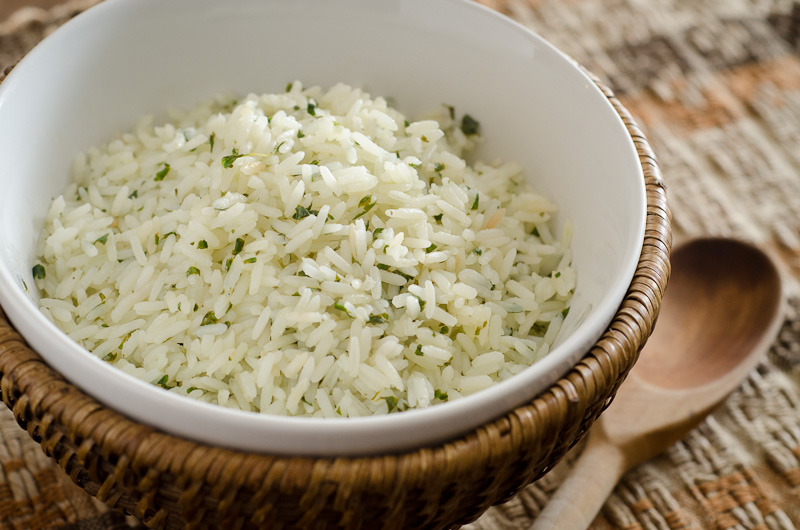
(305, 253)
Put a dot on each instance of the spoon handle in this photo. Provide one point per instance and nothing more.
(590, 481)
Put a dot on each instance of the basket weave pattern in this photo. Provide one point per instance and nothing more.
(171, 483)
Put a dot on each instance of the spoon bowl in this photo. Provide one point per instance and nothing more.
(719, 316)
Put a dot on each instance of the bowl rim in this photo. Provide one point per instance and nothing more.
(20, 309)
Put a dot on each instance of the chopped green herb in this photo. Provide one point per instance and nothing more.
(477, 251)
(161, 174)
(535, 232)
(102, 239)
(211, 140)
(314, 162)
(227, 161)
(438, 217)
(444, 329)
(376, 232)
(423, 138)
(406, 123)
(238, 246)
(110, 357)
(134, 194)
(383, 266)
(300, 213)
(202, 244)
(418, 351)
(557, 274)
(339, 411)
(438, 167)
(196, 307)
(190, 389)
(540, 328)
(289, 87)
(415, 166)
(192, 270)
(209, 318)
(430, 248)
(38, 271)
(477, 199)
(391, 402)
(438, 394)
(156, 239)
(228, 263)
(379, 319)
(470, 125)
(565, 312)
(163, 381)
(340, 307)
(311, 108)
(301, 134)
(250, 260)
(364, 201)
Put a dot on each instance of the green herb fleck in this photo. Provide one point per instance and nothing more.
(190, 389)
(134, 194)
(209, 318)
(192, 270)
(565, 312)
(163, 381)
(477, 251)
(211, 140)
(196, 307)
(444, 329)
(477, 199)
(311, 108)
(391, 402)
(110, 357)
(430, 248)
(540, 328)
(289, 87)
(438, 394)
(202, 244)
(535, 232)
(300, 213)
(438, 217)
(102, 239)
(156, 239)
(438, 167)
(470, 125)
(250, 260)
(418, 351)
(227, 161)
(365, 203)
(376, 232)
(228, 263)
(161, 174)
(301, 134)
(340, 307)
(379, 319)
(238, 246)
(383, 266)
(38, 271)
(408, 277)
(406, 123)
(339, 411)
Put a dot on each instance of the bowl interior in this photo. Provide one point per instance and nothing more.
(126, 58)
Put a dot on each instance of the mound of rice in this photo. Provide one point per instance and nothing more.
(305, 253)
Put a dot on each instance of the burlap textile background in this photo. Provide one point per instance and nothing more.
(716, 85)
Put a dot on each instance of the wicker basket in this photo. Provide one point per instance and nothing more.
(169, 482)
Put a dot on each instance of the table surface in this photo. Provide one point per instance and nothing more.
(716, 86)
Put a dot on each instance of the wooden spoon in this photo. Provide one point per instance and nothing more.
(720, 314)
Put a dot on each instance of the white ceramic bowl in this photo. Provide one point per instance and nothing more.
(126, 58)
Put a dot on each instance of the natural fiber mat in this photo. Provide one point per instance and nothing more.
(716, 85)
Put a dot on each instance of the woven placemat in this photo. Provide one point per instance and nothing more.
(716, 84)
